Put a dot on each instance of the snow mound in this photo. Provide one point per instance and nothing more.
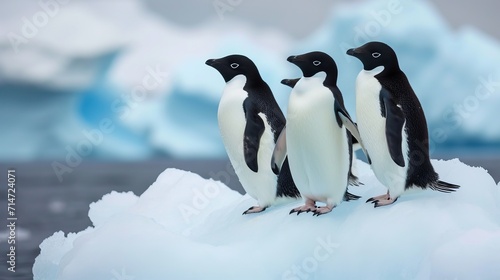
(187, 227)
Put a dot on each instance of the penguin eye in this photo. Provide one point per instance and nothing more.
(316, 63)
(234, 65)
(376, 55)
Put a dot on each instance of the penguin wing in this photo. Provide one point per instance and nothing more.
(343, 118)
(279, 152)
(395, 120)
(253, 131)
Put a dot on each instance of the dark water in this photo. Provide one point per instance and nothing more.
(44, 205)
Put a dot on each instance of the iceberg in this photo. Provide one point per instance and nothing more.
(187, 227)
(166, 98)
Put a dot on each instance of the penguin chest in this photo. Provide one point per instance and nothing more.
(371, 126)
(317, 147)
(260, 185)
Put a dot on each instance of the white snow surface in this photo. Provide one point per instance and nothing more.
(188, 227)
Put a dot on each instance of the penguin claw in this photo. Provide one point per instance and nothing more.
(378, 198)
(389, 201)
(302, 209)
(254, 209)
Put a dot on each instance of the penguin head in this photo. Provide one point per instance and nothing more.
(314, 62)
(375, 54)
(233, 65)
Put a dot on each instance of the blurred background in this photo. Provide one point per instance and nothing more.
(104, 95)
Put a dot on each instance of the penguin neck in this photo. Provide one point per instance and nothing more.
(305, 83)
(386, 71)
(237, 81)
(253, 80)
(330, 80)
(318, 77)
(375, 71)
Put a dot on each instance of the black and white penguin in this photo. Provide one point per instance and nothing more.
(392, 125)
(317, 141)
(353, 143)
(250, 122)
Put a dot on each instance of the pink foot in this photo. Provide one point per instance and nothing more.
(382, 200)
(254, 209)
(322, 210)
(308, 207)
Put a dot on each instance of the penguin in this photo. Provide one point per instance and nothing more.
(392, 125)
(250, 122)
(353, 143)
(316, 137)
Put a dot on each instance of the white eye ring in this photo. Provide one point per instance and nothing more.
(376, 55)
(316, 62)
(234, 65)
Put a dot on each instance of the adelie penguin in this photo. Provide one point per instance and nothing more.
(317, 141)
(353, 143)
(392, 125)
(250, 122)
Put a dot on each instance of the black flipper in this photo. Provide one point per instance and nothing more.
(343, 117)
(279, 152)
(393, 126)
(353, 180)
(443, 186)
(253, 131)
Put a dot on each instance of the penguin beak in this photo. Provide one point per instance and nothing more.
(292, 58)
(352, 52)
(290, 82)
(211, 62)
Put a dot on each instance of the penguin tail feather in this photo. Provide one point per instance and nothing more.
(442, 186)
(349, 196)
(353, 180)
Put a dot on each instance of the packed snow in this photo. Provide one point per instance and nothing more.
(147, 75)
(187, 227)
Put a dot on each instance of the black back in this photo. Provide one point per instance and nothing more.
(420, 169)
(395, 83)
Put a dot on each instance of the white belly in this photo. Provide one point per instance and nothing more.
(371, 126)
(232, 121)
(317, 148)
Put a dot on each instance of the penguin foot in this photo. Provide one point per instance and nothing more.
(322, 210)
(305, 208)
(382, 200)
(308, 207)
(254, 209)
(380, 197)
